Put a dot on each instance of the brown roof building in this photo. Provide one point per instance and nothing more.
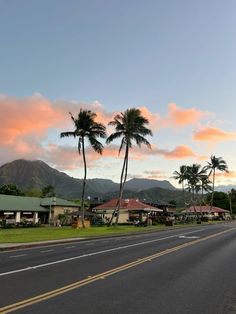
(130, 209)
(206, 209)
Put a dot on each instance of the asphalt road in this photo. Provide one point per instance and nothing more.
(191, 270)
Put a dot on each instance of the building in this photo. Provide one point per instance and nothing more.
(206, 210)
(15, 209)
(167, 207)
(130, 210)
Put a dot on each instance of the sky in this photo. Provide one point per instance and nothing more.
(174, 60)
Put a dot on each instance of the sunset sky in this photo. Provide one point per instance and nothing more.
(175, 60)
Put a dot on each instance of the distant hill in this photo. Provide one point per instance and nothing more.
(37, 174)
(225, 188)
(145, 184)
(156, 195)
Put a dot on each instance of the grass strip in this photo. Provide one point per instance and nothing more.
(26, 235)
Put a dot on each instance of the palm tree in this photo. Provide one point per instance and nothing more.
(86, 127)
(194, 174)
(205, 186)
(216, 163)
(181, 177)
(129, 126)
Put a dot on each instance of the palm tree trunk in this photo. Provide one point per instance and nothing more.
(84, 182)
(193, 200)
(189, 203)
(183, 195)
(117, 208)
(118, 200)
(201, 200)
(213, 188)
(123, 183)
(196, 200)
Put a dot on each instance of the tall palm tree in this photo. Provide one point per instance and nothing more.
(129, 126)
(194, 174)
(181, 177)
(86, 127)
(215, 163)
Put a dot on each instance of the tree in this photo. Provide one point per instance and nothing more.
(194, 174)
(220, 200)
(181, 177)
(10, 189)
(215, 163)
(205, 186)
(232, 200)
(129, 126)
(86, 128)
(48, 191)
(33, 192)
(173, 202)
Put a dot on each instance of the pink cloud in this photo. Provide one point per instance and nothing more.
(31, 115)
(26, 123)
(62, 157)
(227, 175)
(213, 135)
(153, 118)
(179, 117)
(137, 153)
(155, 174)
(67, 158)
(178, 152)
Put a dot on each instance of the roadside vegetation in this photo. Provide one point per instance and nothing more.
(199, 181)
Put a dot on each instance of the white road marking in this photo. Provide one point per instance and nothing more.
(69, 247)
(13, 256)
(89, 244)
(95, 253)
(184, 237)
(45, 251)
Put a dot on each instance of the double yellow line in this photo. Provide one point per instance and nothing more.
(51, 294)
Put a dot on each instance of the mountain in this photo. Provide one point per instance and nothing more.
(155, 195)
(37, 174)
(225, 188)
(145, 184)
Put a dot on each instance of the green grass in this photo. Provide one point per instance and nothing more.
(22, 235)
(50, 233)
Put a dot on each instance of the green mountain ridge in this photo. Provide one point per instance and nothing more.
(37, 174)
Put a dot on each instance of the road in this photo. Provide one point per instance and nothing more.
(190, 270)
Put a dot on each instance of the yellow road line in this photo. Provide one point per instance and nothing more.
(90, 279)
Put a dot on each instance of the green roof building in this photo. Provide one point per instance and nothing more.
(13, 209)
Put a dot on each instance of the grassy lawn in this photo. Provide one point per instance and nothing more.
(53, 233)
